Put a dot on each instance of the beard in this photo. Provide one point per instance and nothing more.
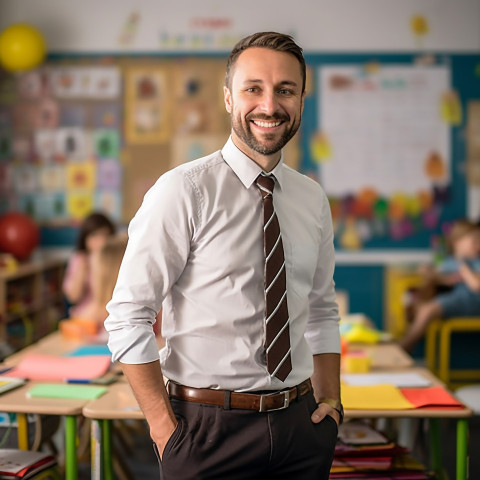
(270, 143)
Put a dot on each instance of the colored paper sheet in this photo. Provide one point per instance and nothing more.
(430, 397)
(53, 368)
(399, 379)
(374, 397)
(90, 350)
(58, 390)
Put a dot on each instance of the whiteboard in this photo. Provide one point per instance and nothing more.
(384, 128)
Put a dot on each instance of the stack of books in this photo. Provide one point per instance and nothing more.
(23, 464)
(365, 453)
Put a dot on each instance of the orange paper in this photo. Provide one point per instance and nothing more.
(430, 397)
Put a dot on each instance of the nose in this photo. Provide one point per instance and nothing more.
(269, 103)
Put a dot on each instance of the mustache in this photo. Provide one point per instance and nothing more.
(280, 117)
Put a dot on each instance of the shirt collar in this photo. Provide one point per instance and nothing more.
(245, 168)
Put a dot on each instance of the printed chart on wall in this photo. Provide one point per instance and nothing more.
(384, 148)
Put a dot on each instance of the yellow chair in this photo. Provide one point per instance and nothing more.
(438, 349)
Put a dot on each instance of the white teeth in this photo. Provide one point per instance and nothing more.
(266, 124)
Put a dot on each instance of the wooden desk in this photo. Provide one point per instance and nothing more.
(434, 416)
(17, 401)
(385, 355)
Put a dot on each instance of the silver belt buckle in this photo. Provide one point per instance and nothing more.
(286, 402)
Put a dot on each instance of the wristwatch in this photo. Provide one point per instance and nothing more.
(335, 404)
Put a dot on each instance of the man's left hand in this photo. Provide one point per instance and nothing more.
(324, 409)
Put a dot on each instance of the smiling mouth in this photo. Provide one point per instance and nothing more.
(263, 124)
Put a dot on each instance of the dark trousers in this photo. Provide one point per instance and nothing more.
(212, 442)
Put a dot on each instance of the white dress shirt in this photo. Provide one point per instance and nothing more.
(196, 248)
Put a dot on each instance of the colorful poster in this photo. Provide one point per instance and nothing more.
(107, 115)
(86, 82)
(52, 178)
(79, 204)
(73, 115)
(45, 145)
(72, 143)
(47, 114)
(109, 174)
(6, 176)
(147, 106)
(25, 178)
(5, 144)
(81, 176)
(106, 143)
(109, 201)
(22, 148)
(54, 207)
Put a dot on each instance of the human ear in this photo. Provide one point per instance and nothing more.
(227, 96)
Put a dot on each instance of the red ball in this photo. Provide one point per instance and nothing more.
(19, 235)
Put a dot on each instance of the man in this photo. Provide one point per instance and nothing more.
(239, 351)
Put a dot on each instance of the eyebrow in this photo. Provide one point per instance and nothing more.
(283, 82)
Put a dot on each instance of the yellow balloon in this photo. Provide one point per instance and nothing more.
(22, 47)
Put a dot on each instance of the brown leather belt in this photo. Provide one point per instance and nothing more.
(248, 401)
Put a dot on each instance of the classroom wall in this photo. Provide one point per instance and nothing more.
(213, 25)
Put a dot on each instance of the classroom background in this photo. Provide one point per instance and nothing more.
(128, 90)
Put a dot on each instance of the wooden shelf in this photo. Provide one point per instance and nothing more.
(32, 295)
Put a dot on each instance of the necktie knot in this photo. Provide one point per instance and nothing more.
(266, 184)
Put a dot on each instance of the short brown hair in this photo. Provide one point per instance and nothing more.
(459, 229)
(279, 42)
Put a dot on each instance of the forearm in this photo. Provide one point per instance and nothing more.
(471, 278)
(326, 376)
(146, 380)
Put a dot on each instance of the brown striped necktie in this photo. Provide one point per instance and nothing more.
(277, 341)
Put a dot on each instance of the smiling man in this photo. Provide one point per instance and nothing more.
(238, 249)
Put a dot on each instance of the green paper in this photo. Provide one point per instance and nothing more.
(58, 390)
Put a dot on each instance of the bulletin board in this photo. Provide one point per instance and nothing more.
(385, 136)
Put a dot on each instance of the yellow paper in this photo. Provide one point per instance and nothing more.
(374, 397)
(451, 108)
(320, 147)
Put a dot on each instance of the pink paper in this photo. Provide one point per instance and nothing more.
(53, 368)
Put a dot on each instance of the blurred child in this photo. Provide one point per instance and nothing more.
(105, 266)
(77, 284)
(462, 273)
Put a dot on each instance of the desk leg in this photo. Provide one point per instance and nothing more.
(71, 472)
(96, 450)
(22, 431)
(435, 448)
(107, 451)
(462, 449)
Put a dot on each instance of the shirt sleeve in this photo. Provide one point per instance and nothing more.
(322, 332)
(157, 251)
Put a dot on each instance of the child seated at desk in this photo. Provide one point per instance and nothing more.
(77, 284)
(462, 273)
